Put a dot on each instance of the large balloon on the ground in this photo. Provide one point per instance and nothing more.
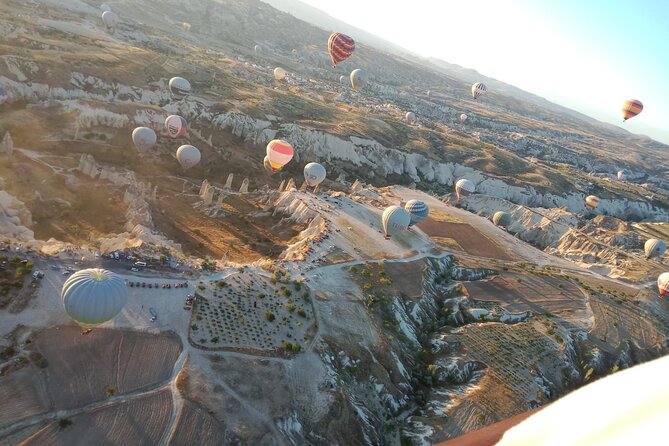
(280, 74)
(592, 201)
(179, 87)
(410, 117)
(188, 156)
(464, 188)
(176, 126)
(502, 219)
(663, 284)
(359, 78)
(93, 296)
(279, 153)
(340, 47)
(418, 211)
(342, 79)
(621, 175)
(463, 117)
(478, 89)
(144, 138)
(110, 19)
(314, 174)
(394, 220)
(631, 108)
(257, 49)
(654, 248)
(186, 26)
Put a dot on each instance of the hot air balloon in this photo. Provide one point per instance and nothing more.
(186, 26)
(592, 201)
(105, 7)
(279, 153)
(280, 74)
(314, 174)
(410, 117)
(395, 219)
(268, 167)
(429, 94)
(342, 79)
(93, 296)
(621, 175)
(631, 108)
(463, 117)
(110, 19)
(257, 49)
(179, 87)
(663, 284)
(144, 138)
(464, 188)
(478, 89)
(418, 211)
(654, 248)
(359, 78)
(188, 156)
(176, 126)
(340, 47)
(502, 219)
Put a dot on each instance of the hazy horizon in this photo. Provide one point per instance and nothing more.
(579, 55)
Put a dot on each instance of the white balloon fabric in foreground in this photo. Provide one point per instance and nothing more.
(188, 156)
(630, 407)
(314, 174)
(93, 296)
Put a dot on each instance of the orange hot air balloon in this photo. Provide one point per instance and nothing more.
(340, 47)
(631, 108)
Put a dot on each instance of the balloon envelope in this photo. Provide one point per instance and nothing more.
(654, 248)
(463, 117)
(186, 26)
(188, 156)
(110, 19)
(144, 138)
(314, 174)
(257, 49)
(280, 74)
(268, 167)
(279, 153)
(663, 284)
(93, 296)
(502, 219)
(179, 86)
(359, 78)
(478, 89)
(410, 117)
(176, 126)
(340, 47)
(631, 108)
(621, 175)
(418, 211)
(394, 220)
(464, 188)
(592, 201)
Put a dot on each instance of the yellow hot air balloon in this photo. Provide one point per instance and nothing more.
(631, 108)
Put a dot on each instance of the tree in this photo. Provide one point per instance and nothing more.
(63, 423)
(163, 259)
(110, 392)
(270, 316)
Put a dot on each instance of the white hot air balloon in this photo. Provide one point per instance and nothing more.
(410, 118)
(257, 49)
(592, 201)
(176, 126)
(280, 74)
(463, 117)
(663, 284)
(314, 174)
(359, 78)
(144, 138)
(188, 156)
(110, 19)
(464, 188)
(621, 175)
(654, 248)
(394, 220)
(478, 89)
(93, 296)
(279, 153)
(342, 80)
(179, 87)
(429, 94)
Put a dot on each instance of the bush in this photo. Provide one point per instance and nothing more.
(366, 273)
(214, 340)
(194, 327)
(287, 292)
(385, 281)
(110, 392)
(269, 316)
(274, 280)
(367, 287)
(291, 347)
(63, 423)
(42, 363)
(262, 296)
(353, 269)
(290, 307)
(8, 352)
(301, 312)
(201, 287)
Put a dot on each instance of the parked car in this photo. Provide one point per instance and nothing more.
(66, 273)
(133, 269)
(143, 284)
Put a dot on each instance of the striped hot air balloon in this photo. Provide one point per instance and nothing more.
(340, 47)
(418, 211)
(279, 153)
(631, 108)
(176, 126)
(94, 296)
(663, 284)
(395, 219)
(592, 201)
(478, 89)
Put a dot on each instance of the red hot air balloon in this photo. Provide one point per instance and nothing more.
(340, 47)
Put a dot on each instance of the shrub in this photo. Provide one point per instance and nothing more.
(301, 312)
(366, 273)
(290, 307)
(8, 352)
(214, 340)
(480, 418)
(269, 316)
(42, 363)
(353, 269)
(194, 327)
(262, 296)
(385, 281)
(274, 280)
(63, 423)
(110, 391)
(367, 287)
(287, 292)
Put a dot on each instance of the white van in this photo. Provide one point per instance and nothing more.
(140, 264)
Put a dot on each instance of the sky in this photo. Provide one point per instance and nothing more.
(589, 55)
